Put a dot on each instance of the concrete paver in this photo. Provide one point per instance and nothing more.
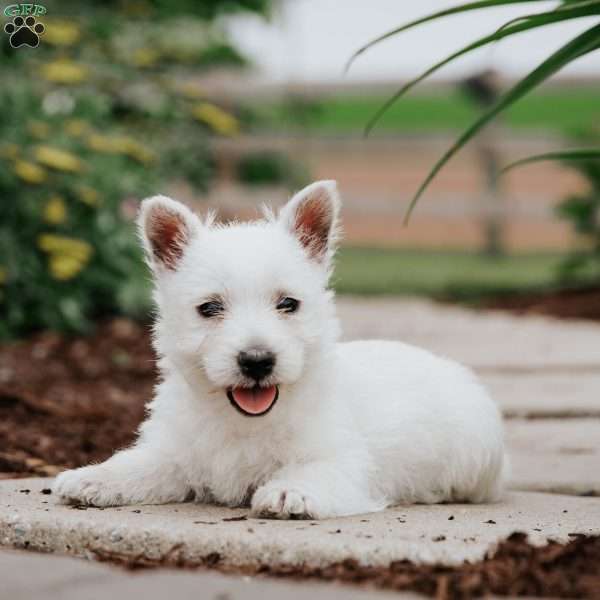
(534, 366)
(422, 534)
(546, 394)
(555, 455)
(64, 578)
(489, 341)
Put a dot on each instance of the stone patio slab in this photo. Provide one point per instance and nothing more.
(490, 341)
(547, 394)
(555, 455)
(533, 366)
(448, 534)
(27, 576)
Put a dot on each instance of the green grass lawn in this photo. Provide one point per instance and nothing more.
(443, 274)
(555, 109)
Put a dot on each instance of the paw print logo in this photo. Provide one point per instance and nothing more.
(24, 32)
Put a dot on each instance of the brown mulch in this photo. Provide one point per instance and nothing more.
(65, 402)
(516, 569)
(564, 304)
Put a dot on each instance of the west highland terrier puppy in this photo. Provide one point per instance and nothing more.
(260, 405)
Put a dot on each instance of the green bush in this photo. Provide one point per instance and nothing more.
(102, 113)
(67, 253)
(268, 167)
(562, 11)
(583, 212)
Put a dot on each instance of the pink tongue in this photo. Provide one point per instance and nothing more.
(254, 400)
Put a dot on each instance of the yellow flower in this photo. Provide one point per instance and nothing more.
(29, 172)
(68, 256)
(64, 70)
(120, 145)
(145, 57)
(138, 151)
(64, 267)
(57, 159)
(9, 151)
(61, 32)
(101, 143)
(38, 129)
(216, 118)
(3, 275)
(76, 127)
(55, 211)
(64, 245)
(88, 195)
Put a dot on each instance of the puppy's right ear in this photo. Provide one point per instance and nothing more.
(166, 228)
(312, 216)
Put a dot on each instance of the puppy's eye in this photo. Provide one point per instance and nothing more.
(212, 308)
(288, 305)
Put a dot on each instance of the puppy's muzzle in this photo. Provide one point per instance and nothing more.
(256, 363)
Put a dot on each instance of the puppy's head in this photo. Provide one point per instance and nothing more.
(244, 309)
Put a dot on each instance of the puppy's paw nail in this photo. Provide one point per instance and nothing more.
(279, 502)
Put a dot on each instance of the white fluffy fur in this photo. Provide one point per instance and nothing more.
(358, 426)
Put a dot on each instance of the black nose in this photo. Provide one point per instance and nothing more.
(256, 364)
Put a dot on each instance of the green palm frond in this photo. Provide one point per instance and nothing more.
(561, 155)
(521, 25)
(584, 43)
(565, 10)
(567, 5)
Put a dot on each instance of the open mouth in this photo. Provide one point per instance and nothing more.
(255, 401)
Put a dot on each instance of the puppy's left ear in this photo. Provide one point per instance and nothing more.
(312, 216)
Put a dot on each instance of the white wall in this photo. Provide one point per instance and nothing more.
(310, 40)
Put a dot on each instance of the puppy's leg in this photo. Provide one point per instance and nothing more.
(140, 475)
(315, 490)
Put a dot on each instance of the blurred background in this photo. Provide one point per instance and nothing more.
(230, 104)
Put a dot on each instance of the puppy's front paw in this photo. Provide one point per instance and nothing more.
(89, 485)
(280, 501)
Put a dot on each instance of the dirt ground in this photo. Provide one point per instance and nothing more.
(565, 304)
(65, 402)
(516, 569)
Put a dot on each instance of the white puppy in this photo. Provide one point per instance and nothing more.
(260, 404)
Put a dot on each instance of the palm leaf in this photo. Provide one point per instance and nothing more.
(443, 13)
(538, 20)
(564, 155)
(568, 5)
(586, 42)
